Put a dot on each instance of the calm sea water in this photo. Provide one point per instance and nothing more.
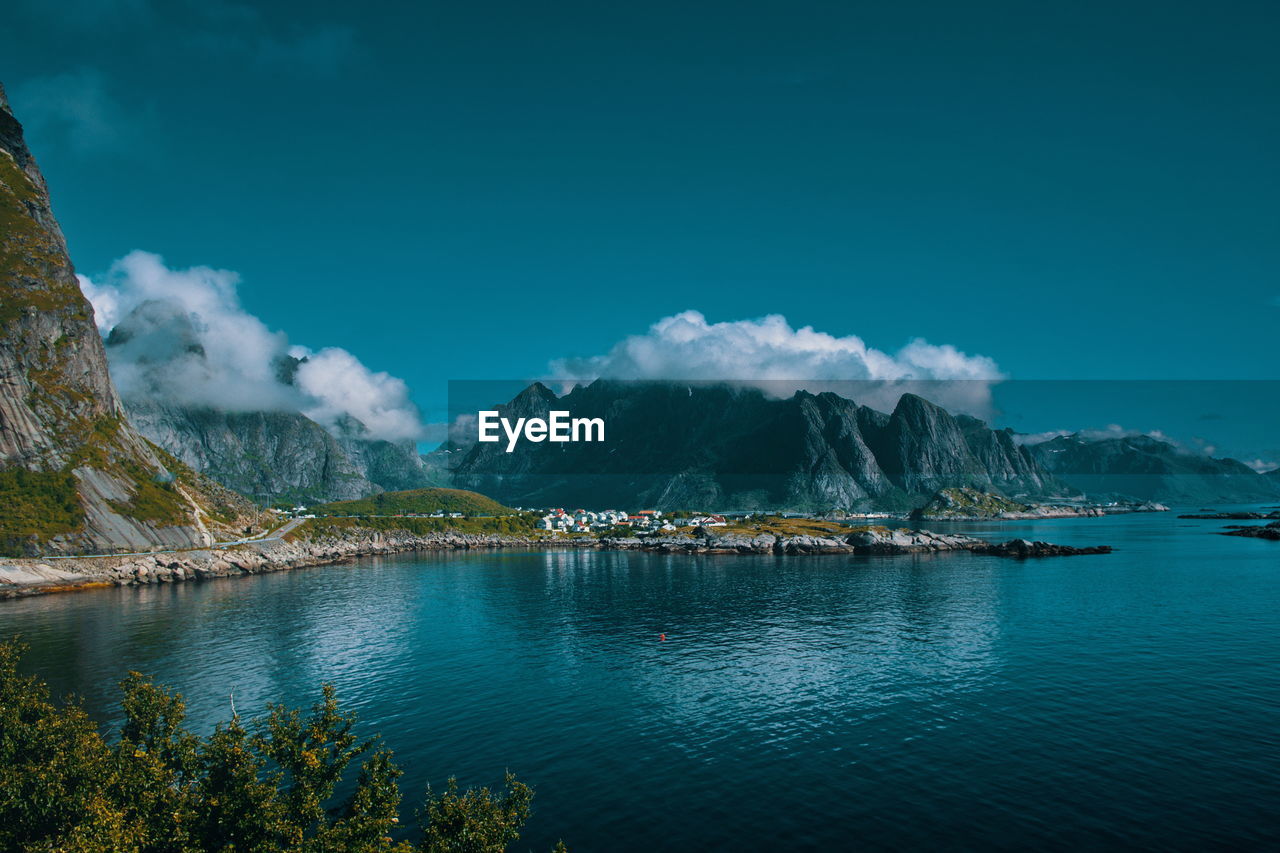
(950, 701)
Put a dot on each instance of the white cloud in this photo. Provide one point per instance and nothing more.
(1262, 466)
(182, 336)
(768, 353)
(337, 384)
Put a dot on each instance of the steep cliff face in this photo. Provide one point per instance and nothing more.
(74, 474)
(267, 455)
(675, 446)
(922, 448)
(281, 456)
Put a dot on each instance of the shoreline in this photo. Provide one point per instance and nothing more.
(24, 577)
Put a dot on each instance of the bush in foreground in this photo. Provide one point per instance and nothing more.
(263, 785)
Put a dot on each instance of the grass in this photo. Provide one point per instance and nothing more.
(966, 501)
(37, 506)
(778, 526)
(27, 251)
(416, 501)
(509, 525)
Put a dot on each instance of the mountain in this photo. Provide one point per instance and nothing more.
(271, 454)
(1147, 468)
(714, 446)
(75, 476)
(281, 456)
(416, 501)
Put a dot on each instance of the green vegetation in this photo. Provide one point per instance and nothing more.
(417, 501)
(152, 496)
(27, 252)
(966, 502)
(154, 499)
(265, 785)
(779, 526)
(35, 507)
(220, 504)
(524, 524)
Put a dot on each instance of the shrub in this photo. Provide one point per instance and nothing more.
(264, 785)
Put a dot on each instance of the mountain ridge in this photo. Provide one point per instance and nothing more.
(715, 446)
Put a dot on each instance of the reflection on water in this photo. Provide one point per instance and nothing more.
(802, 702)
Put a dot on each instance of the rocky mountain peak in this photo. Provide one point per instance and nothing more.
(74, 474)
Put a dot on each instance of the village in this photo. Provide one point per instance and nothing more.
(645, 520)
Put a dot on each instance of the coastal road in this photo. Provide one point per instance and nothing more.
(265, 536)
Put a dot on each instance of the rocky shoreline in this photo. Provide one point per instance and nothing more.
(1268, 531)
(23, 577)
(970, 504)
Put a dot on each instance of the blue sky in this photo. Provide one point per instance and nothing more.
(473, 190)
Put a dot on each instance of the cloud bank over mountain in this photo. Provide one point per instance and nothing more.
(182, 336)
(769, 353)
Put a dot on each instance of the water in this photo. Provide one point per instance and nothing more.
(798, 703)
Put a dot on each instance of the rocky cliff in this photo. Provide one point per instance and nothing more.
(280, 456)
(680, 446)
(75, 476)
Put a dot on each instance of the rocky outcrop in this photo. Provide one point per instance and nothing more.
(1023, 548)
(716, 446)
(74, 473)
(881, 540)
(967, 504)
(865, 541)
(1270, 531)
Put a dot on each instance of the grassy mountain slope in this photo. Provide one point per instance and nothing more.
(417, 501)
(75, 476)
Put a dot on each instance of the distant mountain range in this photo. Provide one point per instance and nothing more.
(678, 446)
(674, 446)
(1140, 466)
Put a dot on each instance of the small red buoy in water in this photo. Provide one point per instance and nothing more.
(662, 637)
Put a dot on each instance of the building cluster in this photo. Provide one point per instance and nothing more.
(643, 521)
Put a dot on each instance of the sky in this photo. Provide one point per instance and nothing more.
(481, 190)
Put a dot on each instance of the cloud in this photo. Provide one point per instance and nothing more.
(1262, 466)
(78, 106)
(182, 336)
(337, 384)
(768, 353)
